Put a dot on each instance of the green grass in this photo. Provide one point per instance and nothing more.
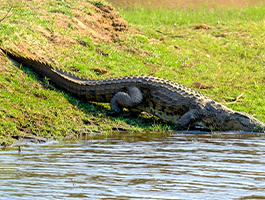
(183, 17)
(228, 56)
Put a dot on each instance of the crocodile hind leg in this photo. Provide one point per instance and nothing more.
(125, 100)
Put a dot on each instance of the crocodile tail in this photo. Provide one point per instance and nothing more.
(69, 75)
(65, 80)
(36, 65)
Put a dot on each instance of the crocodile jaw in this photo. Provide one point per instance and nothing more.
(244, 122)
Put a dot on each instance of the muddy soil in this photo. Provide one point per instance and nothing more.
(188, 3)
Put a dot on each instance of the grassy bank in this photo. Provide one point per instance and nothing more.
(218, 52)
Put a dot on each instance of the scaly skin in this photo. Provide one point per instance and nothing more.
(166, 99)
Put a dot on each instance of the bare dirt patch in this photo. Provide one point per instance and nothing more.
(101, 24)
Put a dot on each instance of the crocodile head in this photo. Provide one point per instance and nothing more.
(244, 122)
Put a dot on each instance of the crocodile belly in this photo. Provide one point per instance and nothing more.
(166, 116)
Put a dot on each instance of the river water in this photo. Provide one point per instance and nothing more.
(144, 166)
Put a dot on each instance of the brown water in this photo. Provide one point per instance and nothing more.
(157, 166)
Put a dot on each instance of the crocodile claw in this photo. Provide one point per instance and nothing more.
(113, 113)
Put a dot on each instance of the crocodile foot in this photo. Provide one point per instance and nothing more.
(113, 113)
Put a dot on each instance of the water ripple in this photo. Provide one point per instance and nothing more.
(178, 166)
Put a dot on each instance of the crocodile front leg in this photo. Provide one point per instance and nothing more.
(188, 119)
(125, 100)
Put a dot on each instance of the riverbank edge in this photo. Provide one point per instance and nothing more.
(32, 106)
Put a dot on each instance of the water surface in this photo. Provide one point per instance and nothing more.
(147, 166)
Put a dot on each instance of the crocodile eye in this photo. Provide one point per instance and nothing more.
(238, 115)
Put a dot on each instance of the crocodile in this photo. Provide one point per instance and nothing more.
(172, 102)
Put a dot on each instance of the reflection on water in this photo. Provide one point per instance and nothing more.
(150, 166)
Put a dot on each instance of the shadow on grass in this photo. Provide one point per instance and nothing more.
(99, 110)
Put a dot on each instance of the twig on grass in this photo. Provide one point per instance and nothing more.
(236, 100)
(7, 14)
